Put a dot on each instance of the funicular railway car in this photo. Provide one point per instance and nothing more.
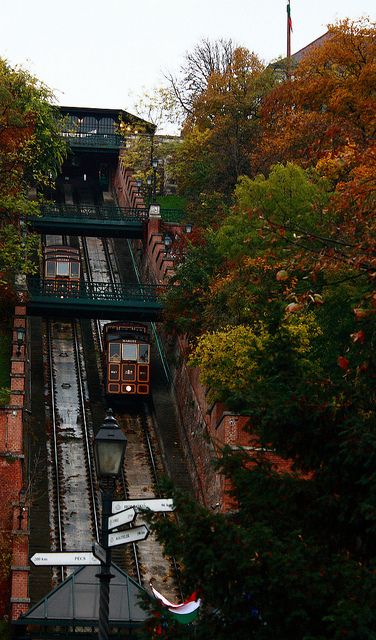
(126, 353)
(61, 269)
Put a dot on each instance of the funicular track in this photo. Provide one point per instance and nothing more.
(74, 518)
(143, 464)
(73, 494)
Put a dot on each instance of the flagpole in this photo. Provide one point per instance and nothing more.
(288, 12)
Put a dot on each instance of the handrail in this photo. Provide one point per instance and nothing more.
(88, 139)
(69, 289)
(94, 212)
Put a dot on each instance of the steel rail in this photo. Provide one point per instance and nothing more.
(88, 275)
(111, 273)
(88, 450)
(54, 443)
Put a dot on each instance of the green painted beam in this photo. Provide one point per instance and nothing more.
(95, 300)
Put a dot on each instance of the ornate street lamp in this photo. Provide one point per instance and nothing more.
(109, 447)
(139, 185)
(149, 182)
(167, 243)
(21, 505)
(154, 164)
(21, 333)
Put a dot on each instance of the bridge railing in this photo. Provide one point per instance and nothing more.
(66, 289)
(87, 139)
(94, 212)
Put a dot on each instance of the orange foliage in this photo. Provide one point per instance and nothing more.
(328, 104)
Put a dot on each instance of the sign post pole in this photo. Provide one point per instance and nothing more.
(105, 572)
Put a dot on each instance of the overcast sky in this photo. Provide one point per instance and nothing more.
(105, 53)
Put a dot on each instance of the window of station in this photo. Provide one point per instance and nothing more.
(89, 124)
(71, 125)
(129, 351)
(50, 268)
(75, 269)
(62, 268)
(143, 353)
(106, 125)
(114, 351)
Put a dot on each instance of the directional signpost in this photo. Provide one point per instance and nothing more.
(154, 504)
(68, 559)
(131, 535)
(123, 517)
(124, 512)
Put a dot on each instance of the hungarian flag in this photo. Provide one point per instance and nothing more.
(183, 613)
(289, 21)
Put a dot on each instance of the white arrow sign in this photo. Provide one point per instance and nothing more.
(99, 552)
(154, 504)
(123, 517)
(67, 559)
(132, 535)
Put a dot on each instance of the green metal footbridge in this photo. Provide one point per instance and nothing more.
(90, 220)
(103, 300)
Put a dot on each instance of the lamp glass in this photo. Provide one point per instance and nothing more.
(110, 443)
(20, 335)
(155, 163)
(110, 456)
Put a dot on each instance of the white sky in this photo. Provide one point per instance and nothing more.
(105, 53)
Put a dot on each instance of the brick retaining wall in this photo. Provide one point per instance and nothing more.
(12, 467)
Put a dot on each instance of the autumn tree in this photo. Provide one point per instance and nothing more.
(221, 127)
(328, 105)
(287, 327)
(31, 153)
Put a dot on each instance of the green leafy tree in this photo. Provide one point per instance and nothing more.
(294, 351)
(31, 153)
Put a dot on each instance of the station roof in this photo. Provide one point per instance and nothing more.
(116, 114)
(75, 602)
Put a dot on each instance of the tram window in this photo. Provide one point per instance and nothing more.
(129, 351)
(143, 353)
(75, 269)
(62, 269)
(114, 351)
(50, 268)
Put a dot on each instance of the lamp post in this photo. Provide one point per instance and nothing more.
(154, 164)
(109, 446)
(138, 185)
(21, 505)
(21, 332)
(167, 243)
(149, 182)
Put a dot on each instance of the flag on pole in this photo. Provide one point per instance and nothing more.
(289, 21)
(185, 612)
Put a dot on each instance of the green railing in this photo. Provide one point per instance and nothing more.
(93, 212)
(99, 140)
(95, 291)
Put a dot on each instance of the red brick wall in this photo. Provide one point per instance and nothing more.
(12, 475)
